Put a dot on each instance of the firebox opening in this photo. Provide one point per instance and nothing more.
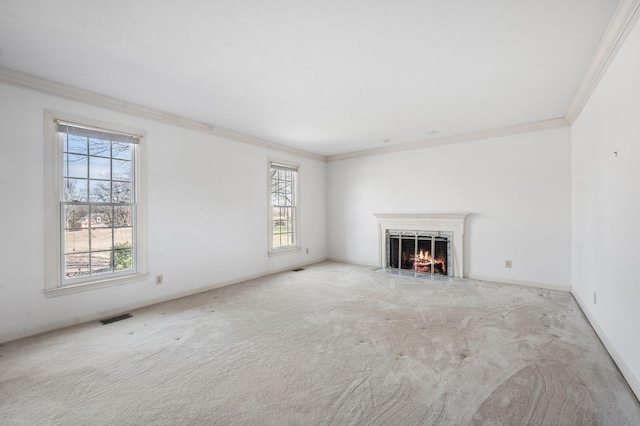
(419, 251)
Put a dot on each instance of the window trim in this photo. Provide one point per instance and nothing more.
(53, 226)
(296, 245)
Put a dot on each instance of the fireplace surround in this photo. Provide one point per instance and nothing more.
(419, 251)
(444, 229)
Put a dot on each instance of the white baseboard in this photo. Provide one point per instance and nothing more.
(633, 381)
(56, 325)
(547, 286)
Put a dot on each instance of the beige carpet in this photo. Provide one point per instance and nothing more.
(333, 344)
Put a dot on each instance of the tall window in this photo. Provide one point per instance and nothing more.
(283, 206)
(97, 204)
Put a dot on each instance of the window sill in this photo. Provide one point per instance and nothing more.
(287, 250)
(107, 282)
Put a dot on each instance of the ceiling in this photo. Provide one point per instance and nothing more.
(328, 77)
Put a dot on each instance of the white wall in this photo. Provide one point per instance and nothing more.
(606, 207)
(516, 188)
(206, 215)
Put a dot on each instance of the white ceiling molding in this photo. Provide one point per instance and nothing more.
(620, 26)
(502, 131)
(625, 16)
(316, 77)
(62, 90)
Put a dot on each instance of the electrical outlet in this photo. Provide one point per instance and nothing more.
(159, 279)
(507, 264)
(307, 251)
(595, 301)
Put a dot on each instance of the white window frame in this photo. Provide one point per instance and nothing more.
(55, 283)
(274, 251)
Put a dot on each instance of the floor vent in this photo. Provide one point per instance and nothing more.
(114, 319)
(298, 270)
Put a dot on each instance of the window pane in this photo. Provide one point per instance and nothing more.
(122, 259)
(100, 262)
(101, 216)
(121, 192)
(121, 170)
(99, 168)
(75, 165)
(76, 241)
(122, 216)
(75, 144)
(122, 237)
(75, 190)
(73, 216)
(76, 265)
(278, 224)
(122, 150)
(99, 191)
(99, 147)
(101, 239)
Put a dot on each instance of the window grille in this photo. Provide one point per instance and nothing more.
(98, 202)
(283, 209)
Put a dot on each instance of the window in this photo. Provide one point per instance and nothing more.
(283, 208)
(93, 173)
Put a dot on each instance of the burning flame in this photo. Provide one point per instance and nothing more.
(422, 262)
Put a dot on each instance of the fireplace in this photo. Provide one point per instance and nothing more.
(419, 251)
(425, 243)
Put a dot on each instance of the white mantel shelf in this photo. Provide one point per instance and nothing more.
(422, 217)
(442, 222)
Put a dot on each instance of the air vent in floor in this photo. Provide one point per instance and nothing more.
(114, 319)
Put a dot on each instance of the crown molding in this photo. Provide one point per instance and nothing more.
(621, 24)
(553, 123)
(102, 101)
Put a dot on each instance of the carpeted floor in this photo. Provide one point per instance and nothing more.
(333, 344)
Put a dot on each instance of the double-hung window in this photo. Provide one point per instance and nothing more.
(283, 209)
(95, 183)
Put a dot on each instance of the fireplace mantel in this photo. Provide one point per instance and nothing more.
(442, 222)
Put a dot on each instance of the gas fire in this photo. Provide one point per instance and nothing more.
(423, 261)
